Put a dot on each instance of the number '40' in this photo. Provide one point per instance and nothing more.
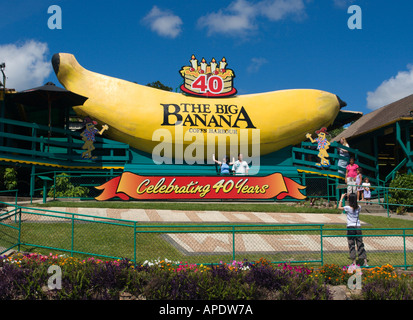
(213, 84)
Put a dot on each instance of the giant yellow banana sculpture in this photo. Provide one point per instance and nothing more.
(135, 112)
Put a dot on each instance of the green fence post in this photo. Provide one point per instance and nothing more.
(54, 183)
(15, 203)
(20, 229)
(233, 243)
(73, 235)
(321, 245)
(134, 243)
(387, 202)
(32, 183)
(404, 249)
(44, 191)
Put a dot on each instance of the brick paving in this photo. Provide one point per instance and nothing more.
(204, 243)
(153, 215)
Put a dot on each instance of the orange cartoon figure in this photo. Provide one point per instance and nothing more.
(322, 146)
(88, 136)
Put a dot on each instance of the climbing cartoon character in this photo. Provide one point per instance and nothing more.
(88, 136)
(322, 146)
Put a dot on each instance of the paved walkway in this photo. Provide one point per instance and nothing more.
(208, 243)
(153, 215)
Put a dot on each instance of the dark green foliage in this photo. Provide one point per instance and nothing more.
(402, 197)
(159, 85)
(10, 179)
(387, 289)
(64, 188)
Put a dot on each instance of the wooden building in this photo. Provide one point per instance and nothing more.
(387, 134)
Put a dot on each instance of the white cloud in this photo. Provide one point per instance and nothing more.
(343, 3)
(256, 64)
(163, 22)
(392, 89)
(279, 9)
(238, 17)
(241, 16)
(27, 65)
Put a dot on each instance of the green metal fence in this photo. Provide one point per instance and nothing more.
(305, 157)
(36, 229)
(14, 192)
(382, 196)
(78, 184)
(30, 142)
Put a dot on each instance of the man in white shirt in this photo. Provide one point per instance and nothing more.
(240, 166)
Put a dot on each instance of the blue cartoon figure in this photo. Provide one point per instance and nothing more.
(322, 146)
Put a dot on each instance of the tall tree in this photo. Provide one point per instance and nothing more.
(159, 85)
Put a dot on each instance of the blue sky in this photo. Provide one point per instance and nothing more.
(270, 44)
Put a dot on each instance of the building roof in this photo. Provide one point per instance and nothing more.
(399, 110)
(344, 117)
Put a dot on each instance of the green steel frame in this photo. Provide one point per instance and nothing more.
(64, 150)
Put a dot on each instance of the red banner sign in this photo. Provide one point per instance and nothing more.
(130, 185)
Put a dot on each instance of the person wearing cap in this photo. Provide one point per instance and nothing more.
(322, 146)
(88, 136)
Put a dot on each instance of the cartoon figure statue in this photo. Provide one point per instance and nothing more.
(322, 146)
(88, 136)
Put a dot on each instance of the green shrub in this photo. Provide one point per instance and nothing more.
(401, 197)
(66, 189)
(388, 289)
(10, 178)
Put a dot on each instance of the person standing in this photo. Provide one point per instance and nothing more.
(366, 190)
(354, 228)
(342, 163)
(359, 181)
(351, 174)
(240, 166)
(224, 164)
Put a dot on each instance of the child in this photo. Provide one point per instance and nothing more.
(359, 179)
(366, 189)
(354, 228)
(224, 164)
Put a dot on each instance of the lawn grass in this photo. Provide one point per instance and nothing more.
(191, 206)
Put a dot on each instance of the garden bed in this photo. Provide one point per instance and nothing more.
(25, 276)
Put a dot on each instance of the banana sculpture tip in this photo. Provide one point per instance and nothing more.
(56, 62)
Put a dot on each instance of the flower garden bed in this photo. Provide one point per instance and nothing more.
(25, 276)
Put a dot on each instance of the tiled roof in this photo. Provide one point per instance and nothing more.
(399, 110)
